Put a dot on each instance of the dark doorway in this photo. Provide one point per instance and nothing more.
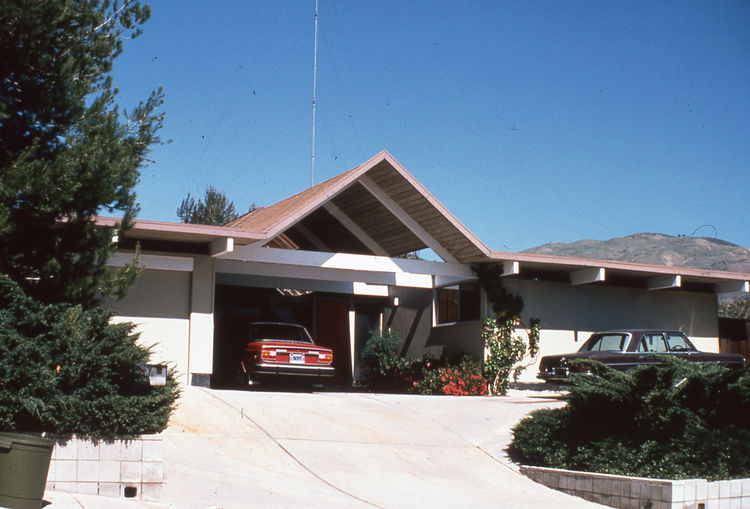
(367, 318)
(333, 331)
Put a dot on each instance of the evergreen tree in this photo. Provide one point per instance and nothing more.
(213, 209)
(67, 152)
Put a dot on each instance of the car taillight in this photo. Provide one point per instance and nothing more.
(267, 355)
(325, 357)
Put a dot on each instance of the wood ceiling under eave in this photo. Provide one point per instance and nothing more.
(380, 224)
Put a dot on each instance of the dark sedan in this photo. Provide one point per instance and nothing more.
(627, 349)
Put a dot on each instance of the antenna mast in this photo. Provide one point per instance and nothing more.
(315, 85)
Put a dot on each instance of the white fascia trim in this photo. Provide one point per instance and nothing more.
(406, 219)
(586, 276)
(664, 282)
(154, 262)
(348, 261)
(355, 230)
(361, 288)
(290, 272)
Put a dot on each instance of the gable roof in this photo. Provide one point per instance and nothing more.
(375, 208)
(379, 208)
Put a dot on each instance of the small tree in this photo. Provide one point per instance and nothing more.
(213, 209)
(737, 309)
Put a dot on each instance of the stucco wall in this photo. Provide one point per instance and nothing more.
(569, 314)
(159, 305)
(412, 319)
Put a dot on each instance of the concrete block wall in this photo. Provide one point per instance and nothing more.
(124, 468)
(642, 493)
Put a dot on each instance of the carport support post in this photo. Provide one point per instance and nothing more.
(201, 339)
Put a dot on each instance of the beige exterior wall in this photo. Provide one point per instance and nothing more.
(569, 314)
(159, 305)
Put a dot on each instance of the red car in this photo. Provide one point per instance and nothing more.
(277, 349)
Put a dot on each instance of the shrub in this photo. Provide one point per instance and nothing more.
(465, 379)
(504, 351)
(68, 370)
(385, 369)
(681, 420)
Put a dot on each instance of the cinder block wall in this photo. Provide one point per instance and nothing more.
(129, 469)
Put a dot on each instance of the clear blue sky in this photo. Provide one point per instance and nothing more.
(532, 122)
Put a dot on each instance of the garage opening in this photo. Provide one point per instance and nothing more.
(340, 322)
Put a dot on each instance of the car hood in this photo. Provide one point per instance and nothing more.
(553, 360)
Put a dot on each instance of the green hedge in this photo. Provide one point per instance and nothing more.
(682, 420)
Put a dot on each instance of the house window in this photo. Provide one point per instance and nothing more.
(459, 303)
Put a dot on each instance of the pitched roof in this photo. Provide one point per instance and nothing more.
(375, 208)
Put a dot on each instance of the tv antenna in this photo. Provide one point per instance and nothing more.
(315, 84)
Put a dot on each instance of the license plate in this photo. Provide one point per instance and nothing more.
(297, 358)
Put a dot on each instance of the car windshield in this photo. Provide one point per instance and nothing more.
(605, 343)
(279, 332)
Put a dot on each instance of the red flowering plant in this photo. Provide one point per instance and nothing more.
(465, 379)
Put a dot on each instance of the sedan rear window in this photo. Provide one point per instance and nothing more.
(605, 343)
(279, 331)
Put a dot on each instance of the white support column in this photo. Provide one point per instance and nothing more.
(358, 232)
(586, 276)
(201, 340)
(664, 282)
(406, 219)
(352, 343)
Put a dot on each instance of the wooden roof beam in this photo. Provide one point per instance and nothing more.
(311, 237)
(664, 282)
(587, 276)
(221, 246)
(355, 230)
(511, 269)
(733, 287)
(406, 219)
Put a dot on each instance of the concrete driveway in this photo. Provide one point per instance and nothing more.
(238, 449)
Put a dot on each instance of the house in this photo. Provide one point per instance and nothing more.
(328, 258)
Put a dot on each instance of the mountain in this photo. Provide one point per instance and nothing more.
(658, 249)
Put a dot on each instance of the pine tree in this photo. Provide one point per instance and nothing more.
(67, 152)
(213, 209)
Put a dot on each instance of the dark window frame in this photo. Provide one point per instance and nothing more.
(458, 303)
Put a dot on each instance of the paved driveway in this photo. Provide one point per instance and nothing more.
(239, 449)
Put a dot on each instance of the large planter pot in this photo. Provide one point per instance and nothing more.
(24, 463)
